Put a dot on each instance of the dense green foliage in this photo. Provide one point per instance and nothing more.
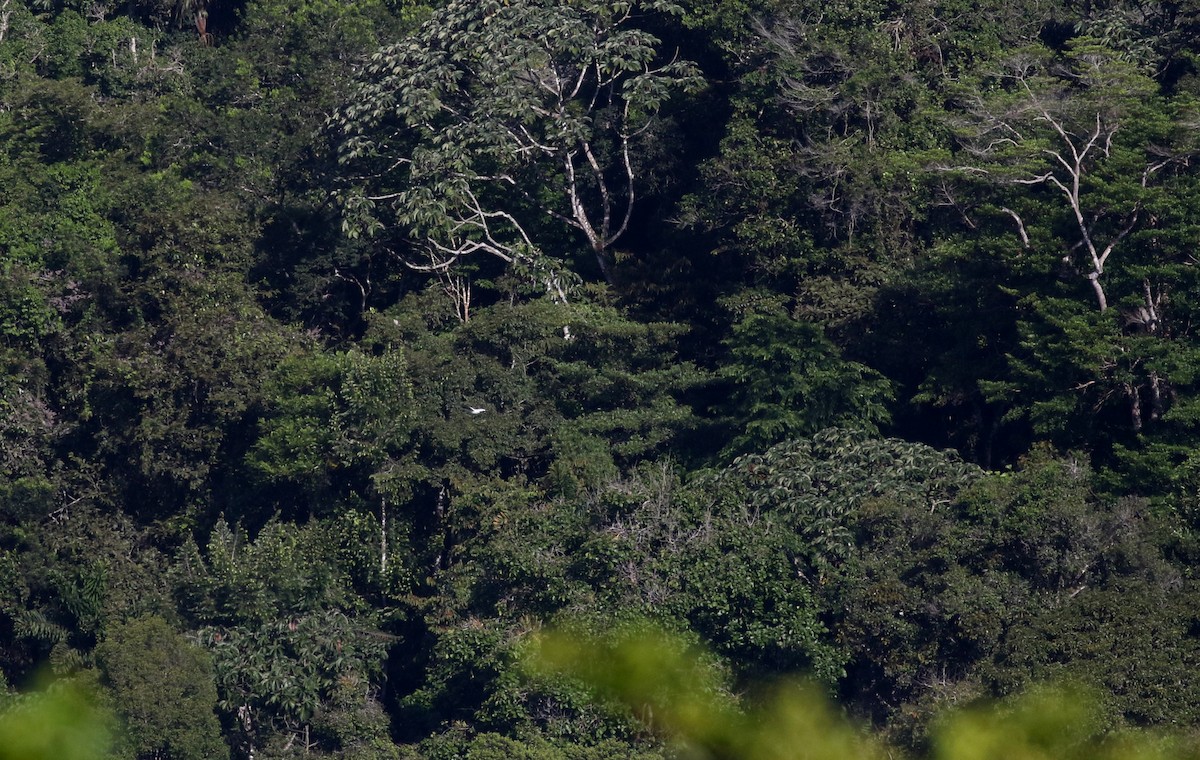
(163, 687)
(346, 345)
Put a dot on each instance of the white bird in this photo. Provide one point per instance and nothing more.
(476, 410)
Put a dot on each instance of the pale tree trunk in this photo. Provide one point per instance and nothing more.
(383, 536)
(1152, 327)
(1098, 289)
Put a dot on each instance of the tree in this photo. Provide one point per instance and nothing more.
(959, 594)
(788, 380)
(498, 116)
(1081, 164)
(818, 485)
(1063, 128)
(347, 413)
(272, 678)
(163, 687)
(818, 191)
(285, 621)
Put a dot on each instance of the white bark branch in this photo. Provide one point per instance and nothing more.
(1020, 226)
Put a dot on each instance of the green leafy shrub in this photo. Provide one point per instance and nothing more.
(162, 687)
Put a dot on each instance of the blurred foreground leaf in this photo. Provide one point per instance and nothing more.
(61, 722)
(679, 693)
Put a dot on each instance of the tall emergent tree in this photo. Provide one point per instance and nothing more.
(1086, 165)
(1090, 131)
(499, 116)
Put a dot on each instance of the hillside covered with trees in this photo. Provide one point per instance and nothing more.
(348, 344)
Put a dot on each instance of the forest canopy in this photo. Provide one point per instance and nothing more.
(352, 345)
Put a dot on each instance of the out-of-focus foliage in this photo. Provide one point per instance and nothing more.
(60, 722)
(676, 692)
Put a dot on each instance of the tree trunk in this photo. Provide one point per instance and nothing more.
(1098, 289)
(383, 544)
(1156, 396)
(605, 266)
(1135, 407)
